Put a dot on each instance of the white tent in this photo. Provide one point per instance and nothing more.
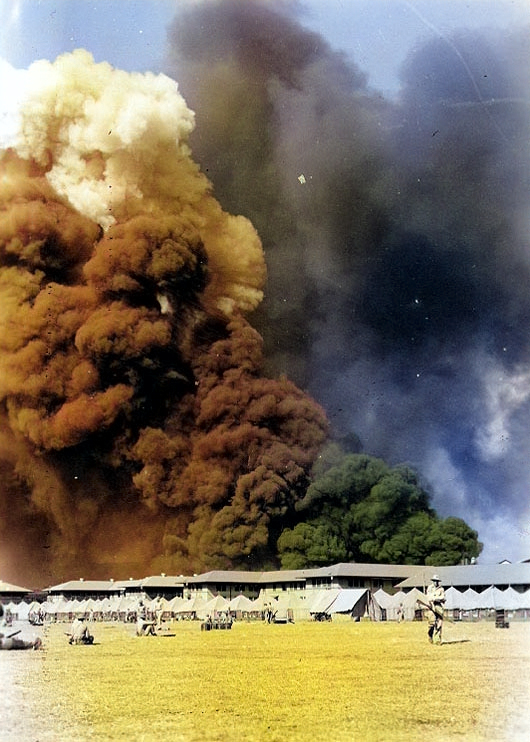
(219, 603)
(524, 600)
(469, 600)
(243, 604)
(494, 598)
(192, 607)
(511, 600)
(393, 605)
(175, 603)
(291, 606)
(157, 603)
(261, 602)
(457, 600)
(34, 610)
(322, 601)
(488, 598)
(19, 611)
(410, 603)
(386, 600)
(57, 609)
(127, 604)
(354, 601)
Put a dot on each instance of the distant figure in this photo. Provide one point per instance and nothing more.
(159, 610)
(435, 612)
(144, 627)
(10, 641)
(79, 633)
(400, 613)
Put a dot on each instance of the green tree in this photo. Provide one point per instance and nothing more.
(364, 510)
(310, 543)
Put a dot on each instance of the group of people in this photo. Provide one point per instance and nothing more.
(145, 625)
(80, 634)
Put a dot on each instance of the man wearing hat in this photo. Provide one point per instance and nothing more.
(435, 614)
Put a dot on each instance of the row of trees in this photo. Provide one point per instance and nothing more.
(358, 508)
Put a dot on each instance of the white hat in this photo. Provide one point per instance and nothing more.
(435, 578)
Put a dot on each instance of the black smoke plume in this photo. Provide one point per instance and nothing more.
(395, 233)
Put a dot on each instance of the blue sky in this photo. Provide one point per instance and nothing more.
(131, 34)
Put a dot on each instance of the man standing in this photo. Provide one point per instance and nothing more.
(435, 612)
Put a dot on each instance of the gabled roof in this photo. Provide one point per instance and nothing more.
(225, 575)
(354, 569)
(472, 574)
(162, 581)
(86, 586)
(337, 600)
(5, 587)
(285, 575)
(125, 584)
(359, 569)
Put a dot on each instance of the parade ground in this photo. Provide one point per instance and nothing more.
(306, 682)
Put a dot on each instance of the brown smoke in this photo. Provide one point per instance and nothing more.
(137, 429)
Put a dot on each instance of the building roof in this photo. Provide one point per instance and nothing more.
(163, 581)
(357, 569)
(405, 575)
(225, 575)
(354, 569)
(285, 575)
(124, 584)
(472, 574)
(86, 586)
(5, 587)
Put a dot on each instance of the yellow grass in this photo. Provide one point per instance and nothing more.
(307, 682)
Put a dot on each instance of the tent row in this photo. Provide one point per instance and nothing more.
(491, 598)
(127, 608)
(356, 602)
(403, 605)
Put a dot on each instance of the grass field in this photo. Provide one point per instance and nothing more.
(307, 682)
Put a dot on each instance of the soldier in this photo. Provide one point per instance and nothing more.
(12, 642)
(80, 633)
(159, 610)
(435, 613)
(144, 627)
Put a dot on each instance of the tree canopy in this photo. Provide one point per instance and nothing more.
(361, 509)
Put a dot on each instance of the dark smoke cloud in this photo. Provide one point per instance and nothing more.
(138, 430)
(396, 235)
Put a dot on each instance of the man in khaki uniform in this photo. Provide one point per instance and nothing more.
(79, 633)
(435, 609)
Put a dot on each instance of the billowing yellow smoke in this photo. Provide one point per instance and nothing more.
(133, 403)
(114, 145)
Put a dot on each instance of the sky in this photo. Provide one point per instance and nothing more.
(131, 34)
(395, 190)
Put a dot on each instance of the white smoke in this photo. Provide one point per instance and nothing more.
(504, 395)
(115, 144)
(14, 89)
(104, 128)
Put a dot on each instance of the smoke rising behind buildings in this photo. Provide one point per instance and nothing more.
(408, 234)
(395, 238)
(138, 428)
